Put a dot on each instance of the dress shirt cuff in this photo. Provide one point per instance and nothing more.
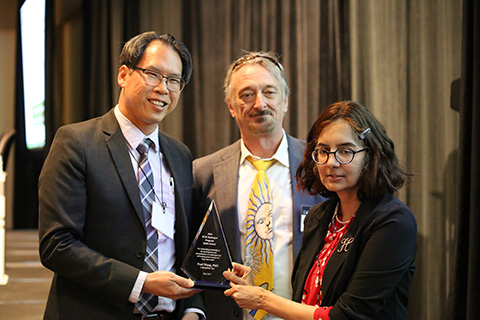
(137, 287)
(200, 312)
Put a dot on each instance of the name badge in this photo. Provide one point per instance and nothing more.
(163, 221)
(305, 210)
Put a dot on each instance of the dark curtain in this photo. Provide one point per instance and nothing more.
(466, 289)
(108, 24)
(311, 37)
(405, 55)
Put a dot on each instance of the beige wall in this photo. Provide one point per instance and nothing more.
(8, 18)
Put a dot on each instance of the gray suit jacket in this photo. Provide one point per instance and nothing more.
(215, 178)
(91, 226)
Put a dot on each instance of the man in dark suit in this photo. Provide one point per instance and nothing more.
(93, 215)
(257, 97)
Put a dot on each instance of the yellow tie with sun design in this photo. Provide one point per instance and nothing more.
(259, 241)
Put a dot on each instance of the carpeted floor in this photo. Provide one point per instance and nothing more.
(26, 292)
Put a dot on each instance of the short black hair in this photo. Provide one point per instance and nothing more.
(134, 49)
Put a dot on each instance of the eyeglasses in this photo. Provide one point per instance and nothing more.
(243, 60)
(154, 78)
(343, 155)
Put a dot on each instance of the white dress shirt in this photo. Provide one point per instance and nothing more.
(164, 192)
(281, 187)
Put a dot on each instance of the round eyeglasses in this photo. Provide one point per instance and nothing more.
(154, 78)
(343, 155)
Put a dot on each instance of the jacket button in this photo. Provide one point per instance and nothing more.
(140, 254)
(236, 313)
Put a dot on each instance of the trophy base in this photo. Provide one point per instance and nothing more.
(210, 285)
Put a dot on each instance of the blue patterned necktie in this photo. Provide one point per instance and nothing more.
(147, 301)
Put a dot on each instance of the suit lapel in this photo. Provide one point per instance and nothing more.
(341, 252)
(117, 146)
(314, 234)
(176, 171)
(295, 156)
(315, 245)
(225, 174)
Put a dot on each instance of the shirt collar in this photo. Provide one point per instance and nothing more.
(281, 155)
(132, 134)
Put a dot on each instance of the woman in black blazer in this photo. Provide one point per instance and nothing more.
(358, 251)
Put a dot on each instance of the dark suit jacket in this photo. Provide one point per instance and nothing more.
(91, 226)
(215, 178)
(370, 277)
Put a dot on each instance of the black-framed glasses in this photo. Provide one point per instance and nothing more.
(245, 59)
(343, 155)
(154, 78)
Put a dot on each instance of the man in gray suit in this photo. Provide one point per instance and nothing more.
(256, 94)
(95, 220)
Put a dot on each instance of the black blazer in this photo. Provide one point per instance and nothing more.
(91, 226)
(369, 277)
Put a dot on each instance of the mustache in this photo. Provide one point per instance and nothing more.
(264, 112)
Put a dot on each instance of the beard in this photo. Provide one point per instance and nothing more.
(262, 125)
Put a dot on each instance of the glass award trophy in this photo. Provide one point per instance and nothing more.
(208, 255)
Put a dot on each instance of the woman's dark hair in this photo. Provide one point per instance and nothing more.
(382, 173)
(134, 49)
